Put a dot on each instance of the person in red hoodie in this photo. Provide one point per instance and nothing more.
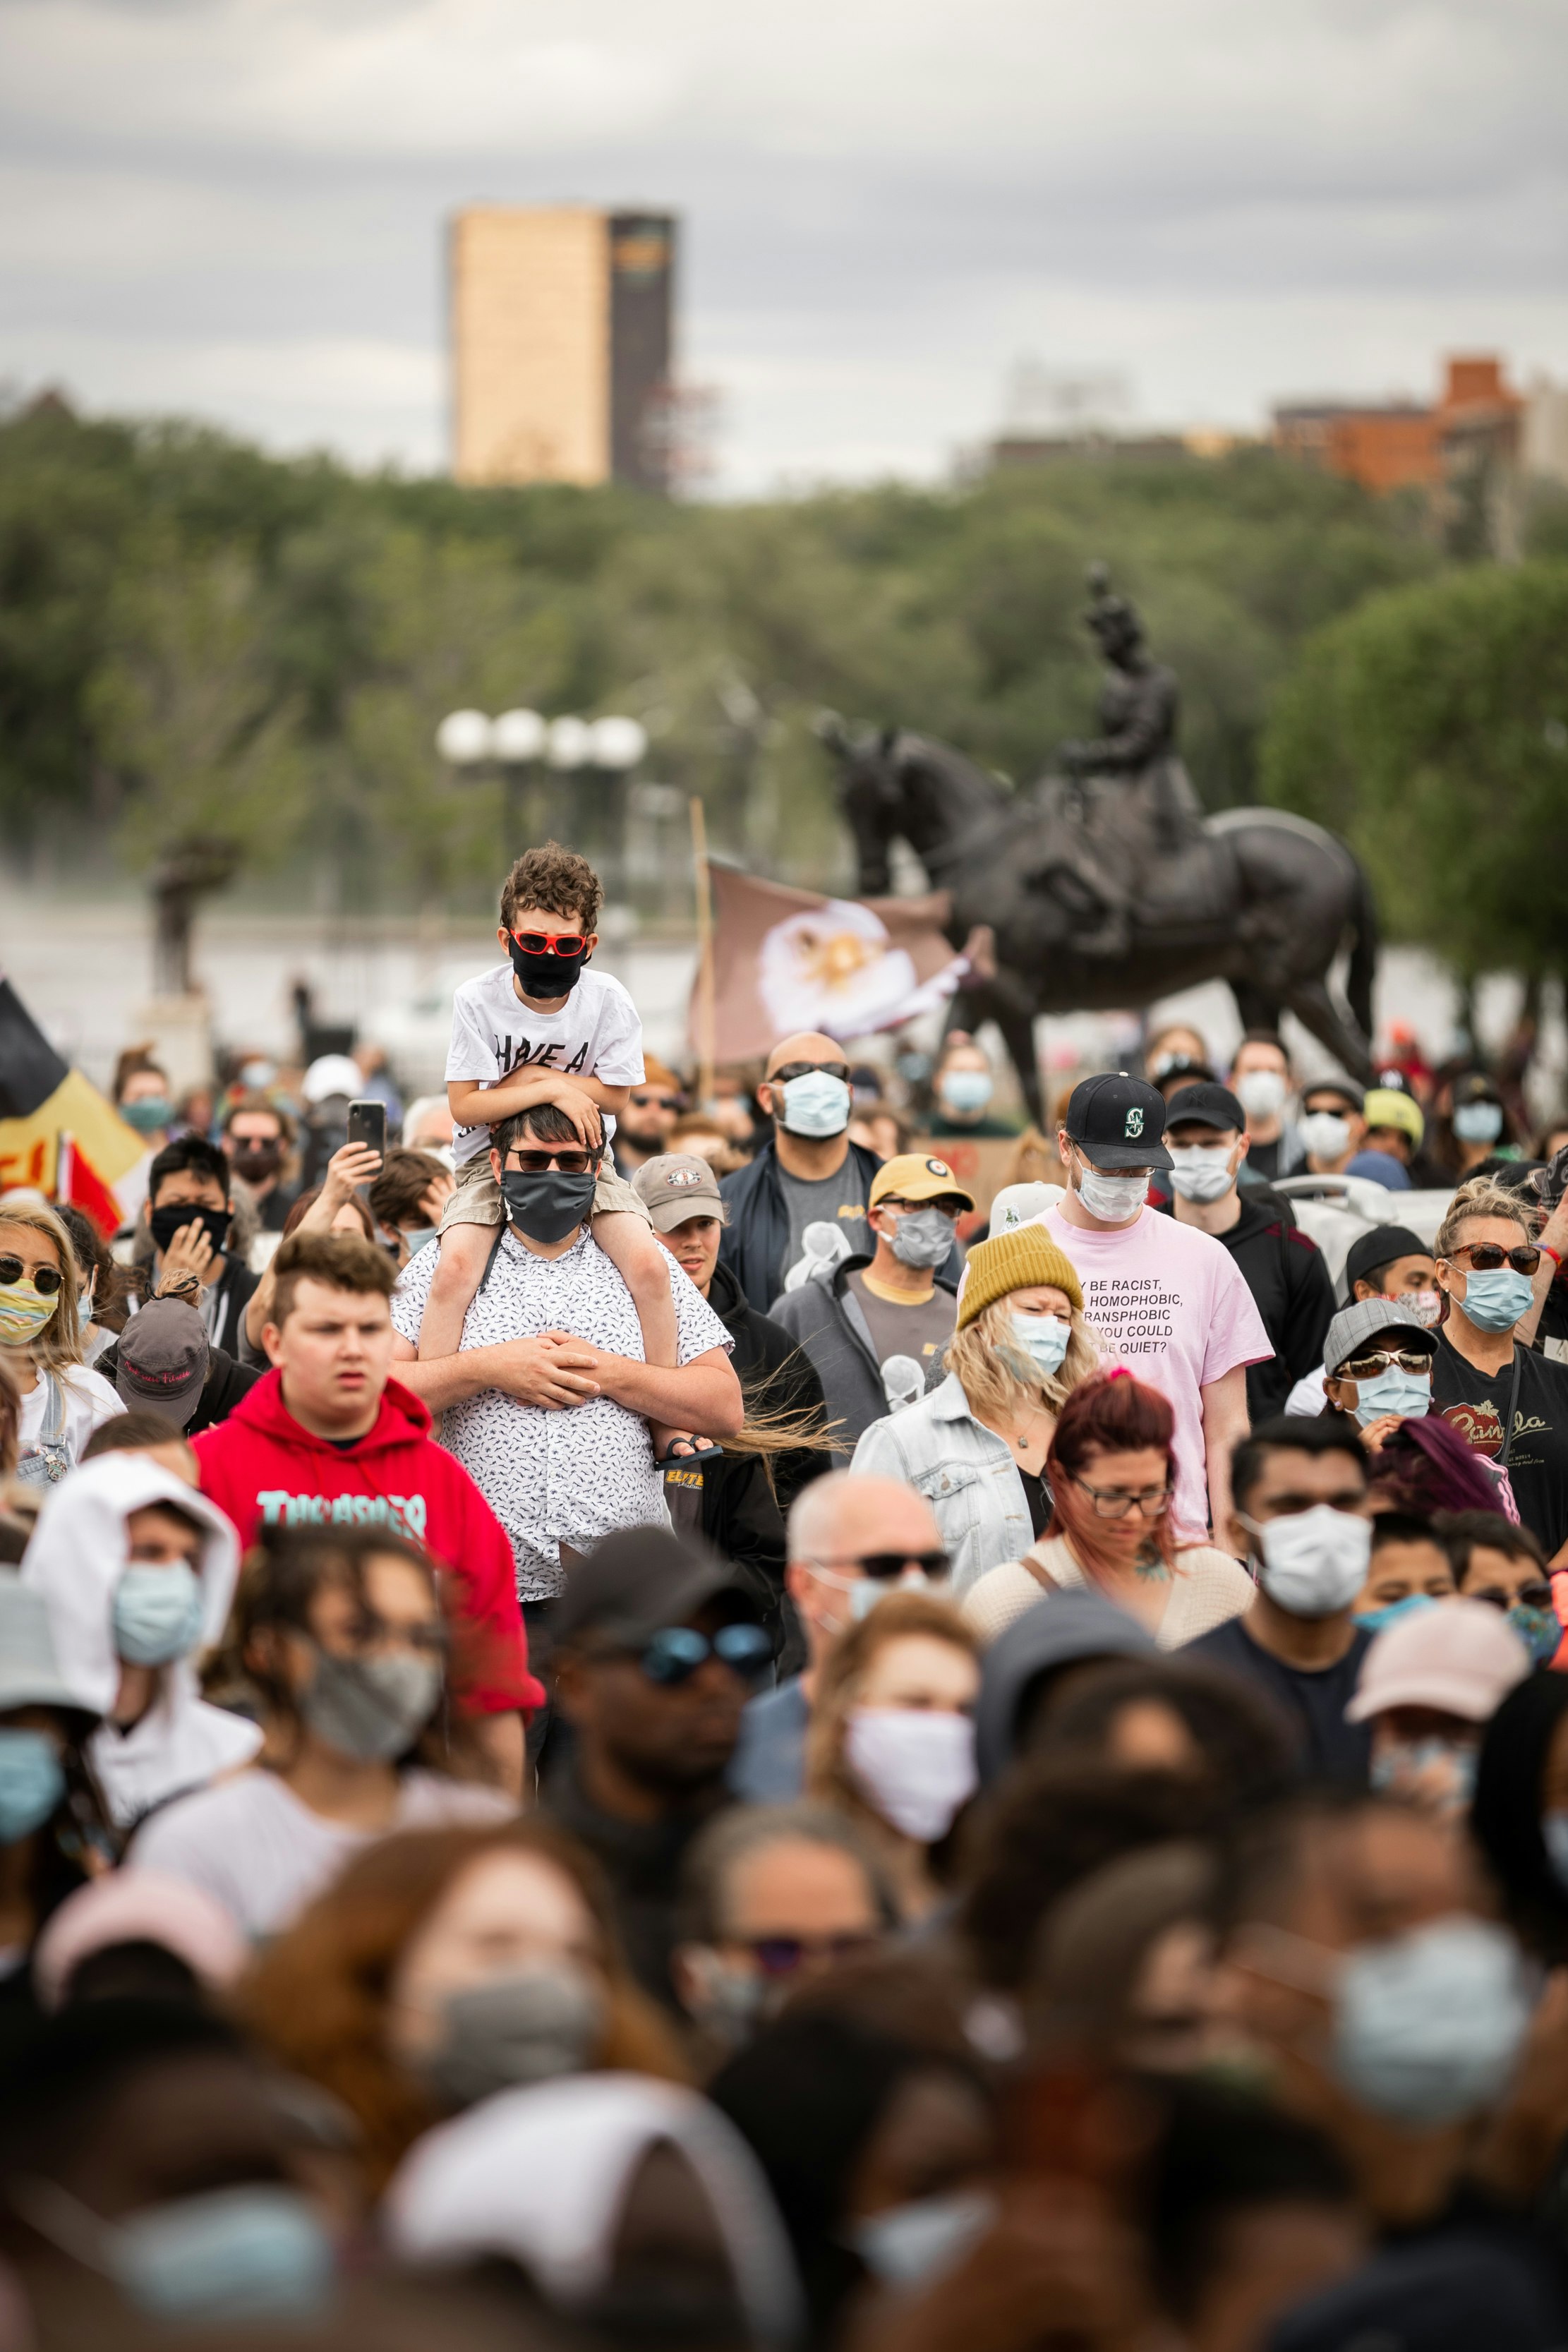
(328, 1438)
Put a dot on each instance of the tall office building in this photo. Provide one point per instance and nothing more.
(562, 332)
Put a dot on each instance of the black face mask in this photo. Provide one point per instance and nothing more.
(546, 975)
(166, 1222)
(547, 1207)
(257, 1161)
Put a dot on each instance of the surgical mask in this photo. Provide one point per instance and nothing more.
(84, 1302)
(967, 1089)
(1555, 1837)
(257, 1076)
(1409, 1394)
(1201, 1173)
(916, 2244)
(547, 1208)
(1540, 1630)
(1478, 1122)
(530, 2026)
(165, 1222)
(257, 1161)
(1115, 1198)
(23, 1313)
(32, 1782)
(1043, 1340)
(258, 2251)
(157, 1615)
(923, 1237)
(915, 1764)
(1313, 1562)
(1401, 1766)
(1495, 1301)
(1378, 1621)
(1425, 1304)
(1428, 2025)
(370, 1708)
(1261, 1093)
(1325, 1135)
(148, 1116)
(816, 1104)
(731, 2002)
(546, 975)
(416, 1236)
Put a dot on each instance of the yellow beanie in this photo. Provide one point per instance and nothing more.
(1015, 1261)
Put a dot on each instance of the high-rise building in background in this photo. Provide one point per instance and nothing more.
(562, 326)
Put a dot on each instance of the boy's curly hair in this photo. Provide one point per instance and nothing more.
(556, 879)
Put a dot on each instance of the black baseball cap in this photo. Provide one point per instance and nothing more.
(1214, 1105)
(638, 1580)
(1351, 1095)
(1118, 1121)
(1370, 1251)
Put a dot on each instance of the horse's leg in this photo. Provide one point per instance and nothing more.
(1016, 1024)
(1260, 1007)
(1315, 1009)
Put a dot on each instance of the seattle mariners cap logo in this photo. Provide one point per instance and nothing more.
(1134, 1126)
(678, 1176)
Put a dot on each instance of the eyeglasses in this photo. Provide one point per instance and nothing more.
(1383, 1360)
(45, 1279)
(644, 1101)
(1115, 1502)
(781, 1955)
(1487, 1256)
(885, 1564)
(672, 1656)
(1532, 1596)
(782, 1077)
(559, 943)
(539, 1164)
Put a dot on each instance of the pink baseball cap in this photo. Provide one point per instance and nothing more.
(138, 1907)
(1460, 1656)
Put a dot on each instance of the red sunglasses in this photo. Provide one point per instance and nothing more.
(560, 943)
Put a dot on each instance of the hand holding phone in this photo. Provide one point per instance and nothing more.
(367, 1125)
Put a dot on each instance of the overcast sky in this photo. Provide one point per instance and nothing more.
(234, 208)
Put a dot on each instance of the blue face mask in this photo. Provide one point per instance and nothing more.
(915, 2244)
(1538, 1628)
(1043, 1340)
(1478, 1122)
(157, 1615)
(1409, 1394)
(816, 1104)
(1428, 2024)
(1495, 1301)
(32, 1782)
(1374, 1621)
(255, 2251)
(967, 1089)
(150, 1116)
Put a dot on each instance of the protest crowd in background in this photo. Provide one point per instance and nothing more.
(634, 1721)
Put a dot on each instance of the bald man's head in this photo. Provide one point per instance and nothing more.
(806, 1046)
(834, 1525)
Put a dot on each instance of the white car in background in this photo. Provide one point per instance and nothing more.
(1335, 1211)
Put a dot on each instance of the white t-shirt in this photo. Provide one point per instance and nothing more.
(1307, 1397)
(595, 1034)
(90, 1400)
(254, 1847)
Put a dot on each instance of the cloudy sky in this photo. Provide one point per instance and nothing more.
(234, 208)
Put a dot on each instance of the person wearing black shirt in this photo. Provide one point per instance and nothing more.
(1206, 1131)
(1298, 1641)
(1260, 1081)
(1507, 1402)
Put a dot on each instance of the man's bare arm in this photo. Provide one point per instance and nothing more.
(1225, 1424)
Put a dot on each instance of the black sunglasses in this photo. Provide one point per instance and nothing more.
(883, 1564)
(781, 1955)
(672, 1656)
(45, 1279)
(1533, 1596)
(540, 1164)
(1487, 1256)
(803, 1069)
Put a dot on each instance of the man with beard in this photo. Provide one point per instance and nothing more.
(257, 1137)
(643, 1129)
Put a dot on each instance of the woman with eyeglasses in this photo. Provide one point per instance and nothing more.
(41, 1345)
(446, 1965)
(1508, 1404)
(1112, 1472)
(338, 1644)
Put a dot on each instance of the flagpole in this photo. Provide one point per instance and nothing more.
(705, 1015)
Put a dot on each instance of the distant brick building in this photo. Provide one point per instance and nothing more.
(1475, 423)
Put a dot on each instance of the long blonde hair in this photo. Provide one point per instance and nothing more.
(996, 1377)
(58, 1345)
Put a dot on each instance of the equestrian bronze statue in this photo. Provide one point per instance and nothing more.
(1104, 886)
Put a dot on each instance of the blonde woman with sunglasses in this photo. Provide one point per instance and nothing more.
(40, 1344)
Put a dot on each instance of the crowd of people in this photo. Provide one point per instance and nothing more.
(630, 1722)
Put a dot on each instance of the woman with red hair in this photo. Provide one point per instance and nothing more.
(1112, 1474)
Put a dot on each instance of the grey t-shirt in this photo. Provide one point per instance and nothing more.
(899, 1329)
(837, 1200)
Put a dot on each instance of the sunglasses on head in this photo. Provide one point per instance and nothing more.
(1485, 1257)
(1383, 1360)
(673, 1654)
(45, 1279)
(781, 1955)
(780, 1078)
(540, 1164)
(558, 943)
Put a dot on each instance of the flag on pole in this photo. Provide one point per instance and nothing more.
(784, 959)
(59, 1135)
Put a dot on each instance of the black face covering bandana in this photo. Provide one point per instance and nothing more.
(546, 975)
(547, 1207)
(257, 1161)
(165, 1222)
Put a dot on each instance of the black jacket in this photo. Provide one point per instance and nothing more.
(642, 1863)
(226, 1383)
(757, 1234)
(825, 1318)
(1285, 1272)
(775, 1376)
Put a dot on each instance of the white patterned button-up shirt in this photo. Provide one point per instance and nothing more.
(568, 1475)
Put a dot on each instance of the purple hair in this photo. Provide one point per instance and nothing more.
(1424, 1465)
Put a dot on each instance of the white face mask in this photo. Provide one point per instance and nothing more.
(1326, 1135)
(1261, 1093)
(915, 1764)
(1427, 2025)
(1313, 1562)
(1115, 1199)
(1202, 1173)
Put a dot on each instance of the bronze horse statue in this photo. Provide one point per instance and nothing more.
(1253, 896)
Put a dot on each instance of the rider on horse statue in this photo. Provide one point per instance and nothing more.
(1132, 803)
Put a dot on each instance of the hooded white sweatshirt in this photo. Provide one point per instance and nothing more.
(77, 1555)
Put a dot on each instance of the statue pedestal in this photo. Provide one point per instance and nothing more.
(180, 1028)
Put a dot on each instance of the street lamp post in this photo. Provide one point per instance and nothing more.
(522, 744)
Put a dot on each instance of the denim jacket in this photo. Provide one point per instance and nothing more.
(966, 1471)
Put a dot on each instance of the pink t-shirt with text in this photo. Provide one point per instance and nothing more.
(1172, 1305)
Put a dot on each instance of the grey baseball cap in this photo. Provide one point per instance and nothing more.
(1352, 1327)
(163, 1359)
(678, 1185)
